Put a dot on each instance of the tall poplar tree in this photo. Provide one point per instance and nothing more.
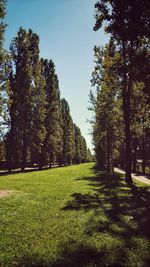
(83, 150)
(77, 135)
(107, 104)
(68, 152)
(38, 129)
(3, 69)
(24, 50)
(53, 123)
(2, 29)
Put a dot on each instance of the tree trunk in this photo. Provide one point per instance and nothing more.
(108, 155)
(128, 177)
(40, 162)
(24, 153)
(50, 164)
(9, 150)
(127, 119)
(143, 152)
(135, 156)
(111, 159)
(9, 165)
(110, 165)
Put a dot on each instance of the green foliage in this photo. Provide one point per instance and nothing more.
(25, 58)
(77, 134)
(68, 152)
(107, 131)
(32, 128)
(38, 129)
(41, 129)
(53, 122)
(82, 153)
(4, 69)
(129, 38)
(2, 26)
(90, 157)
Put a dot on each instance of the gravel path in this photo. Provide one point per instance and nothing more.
(141, 178)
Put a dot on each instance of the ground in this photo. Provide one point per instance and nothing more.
(73, 217)
(145, 178)
(5, 193)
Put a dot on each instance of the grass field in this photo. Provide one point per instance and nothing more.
(73, 217)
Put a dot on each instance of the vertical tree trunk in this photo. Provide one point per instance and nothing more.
(122, 160)
(9, 163)
(110, 165)
(24, 153)
(50, 164)
(40, 161)
(135, 156)
(9, 152)
(127, 119)
(108, 155)
(128, 177)
(143, 152)
(111, 159)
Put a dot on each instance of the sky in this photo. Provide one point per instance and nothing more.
(65, 28)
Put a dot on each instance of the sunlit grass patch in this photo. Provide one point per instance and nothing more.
(73, 217)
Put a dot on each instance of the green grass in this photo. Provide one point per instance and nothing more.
(73, 217)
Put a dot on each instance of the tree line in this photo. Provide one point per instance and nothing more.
(121, 105)
(36, 124)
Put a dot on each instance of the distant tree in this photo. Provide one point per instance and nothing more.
(52, 149)
(77, 135)
(38, 129)
(106, 128)
(83, 150)
(82, 153)
(90, 157)
(68, 152)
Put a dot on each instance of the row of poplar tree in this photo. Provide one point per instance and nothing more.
(39, 126)
(121, 123)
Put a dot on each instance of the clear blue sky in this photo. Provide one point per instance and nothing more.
(66, 35)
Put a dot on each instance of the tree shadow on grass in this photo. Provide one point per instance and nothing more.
(119, 215)
(78, 256)
(126, 214)
(116, 199)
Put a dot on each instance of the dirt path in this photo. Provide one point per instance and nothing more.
(5, 193)
(140, 178)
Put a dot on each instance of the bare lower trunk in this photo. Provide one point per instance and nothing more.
(110, 165)
(112, 160)
(134, 160)
(127, 121)
(24, 154)
(128, 177)
(40, 162)
(127, 118)
(143, 153)
(50, 164)
(108, 155)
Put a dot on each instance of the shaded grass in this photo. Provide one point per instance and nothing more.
(74, 217)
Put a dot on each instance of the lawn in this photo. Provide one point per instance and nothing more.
(73, 217)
